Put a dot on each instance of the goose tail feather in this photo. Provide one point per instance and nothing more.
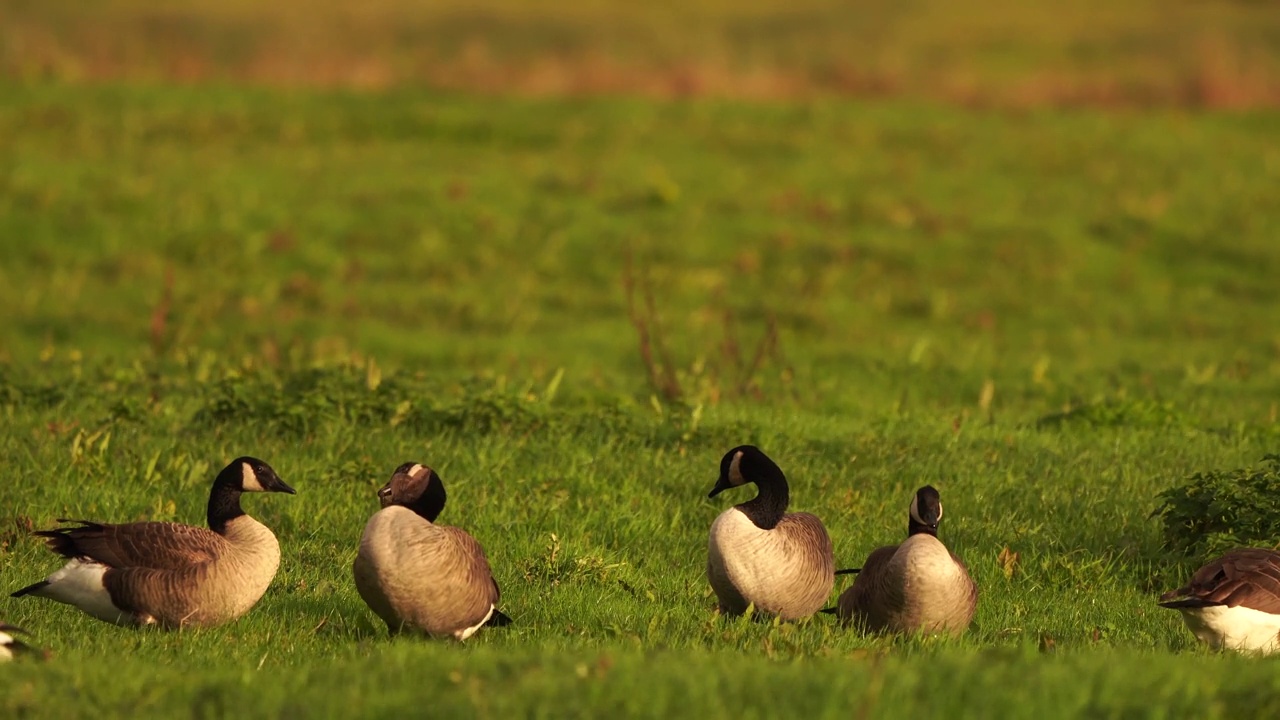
(33, 587)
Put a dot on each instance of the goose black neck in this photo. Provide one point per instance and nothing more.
(224, 505)
(916, 528)
(770, 503)
(431, 502)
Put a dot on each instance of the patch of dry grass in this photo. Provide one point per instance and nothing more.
(1216, 54)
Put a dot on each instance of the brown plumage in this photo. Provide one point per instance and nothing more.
(1242, 578)
(917, 586)
(156, 545)
(416, 575)
(759, 554)
(168, 573)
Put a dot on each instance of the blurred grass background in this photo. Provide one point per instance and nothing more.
(1188, 53)
(1023, 250)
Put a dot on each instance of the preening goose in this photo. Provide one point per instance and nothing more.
(918, 586)
(758, 553)
(1233, 602)
(11, 646)
(417, 575)
(170, 574)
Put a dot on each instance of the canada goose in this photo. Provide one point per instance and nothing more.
(11, 646)
(417, 575)
(170, 574)
(1233, 602)
(916, 586)
(760, 554)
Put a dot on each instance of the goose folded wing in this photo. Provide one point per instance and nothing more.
(146, 590)
(474, 573)
(157, 545)
(1242, 578)
(1252, 580)
(806, 536)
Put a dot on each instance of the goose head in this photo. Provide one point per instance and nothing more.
(249, 474)
(417, 487)
(926, 512)
(745, 464)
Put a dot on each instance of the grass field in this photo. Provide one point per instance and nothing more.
(571, 306)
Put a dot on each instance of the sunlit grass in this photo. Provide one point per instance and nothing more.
(1051, 318)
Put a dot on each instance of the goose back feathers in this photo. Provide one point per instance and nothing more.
(417, 575)
(760, 554)
(1233, 602)
(168, 573)
(916, 586)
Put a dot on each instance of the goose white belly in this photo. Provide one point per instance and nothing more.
(1234, 628)
(747, 564)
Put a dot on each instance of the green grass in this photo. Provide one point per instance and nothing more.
(1052, 317)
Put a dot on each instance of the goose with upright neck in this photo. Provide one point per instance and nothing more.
(916, 586)
(758, 554)
(420, 576)
(170, 574)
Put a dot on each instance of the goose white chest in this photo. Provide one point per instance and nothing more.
(785, 571)
(250, 566)
(739, 557)
(925, 564)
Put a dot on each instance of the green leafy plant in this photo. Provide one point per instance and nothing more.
(1218, 510)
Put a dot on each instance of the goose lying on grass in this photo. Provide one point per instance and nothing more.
(170, 574)
(758, 553)
(1233, 602)
(916, 586)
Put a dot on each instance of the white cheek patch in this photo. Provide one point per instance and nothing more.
(735, 470)
(915, 510)
(413, 471)
(249, 479)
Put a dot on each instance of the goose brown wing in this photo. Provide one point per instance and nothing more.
(165, 595)
(859, 601)
(973, 586)
(807, 538)
(157, 545)
(1241, 578)
(474, 575)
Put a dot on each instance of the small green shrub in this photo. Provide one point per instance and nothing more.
(1219, 510)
